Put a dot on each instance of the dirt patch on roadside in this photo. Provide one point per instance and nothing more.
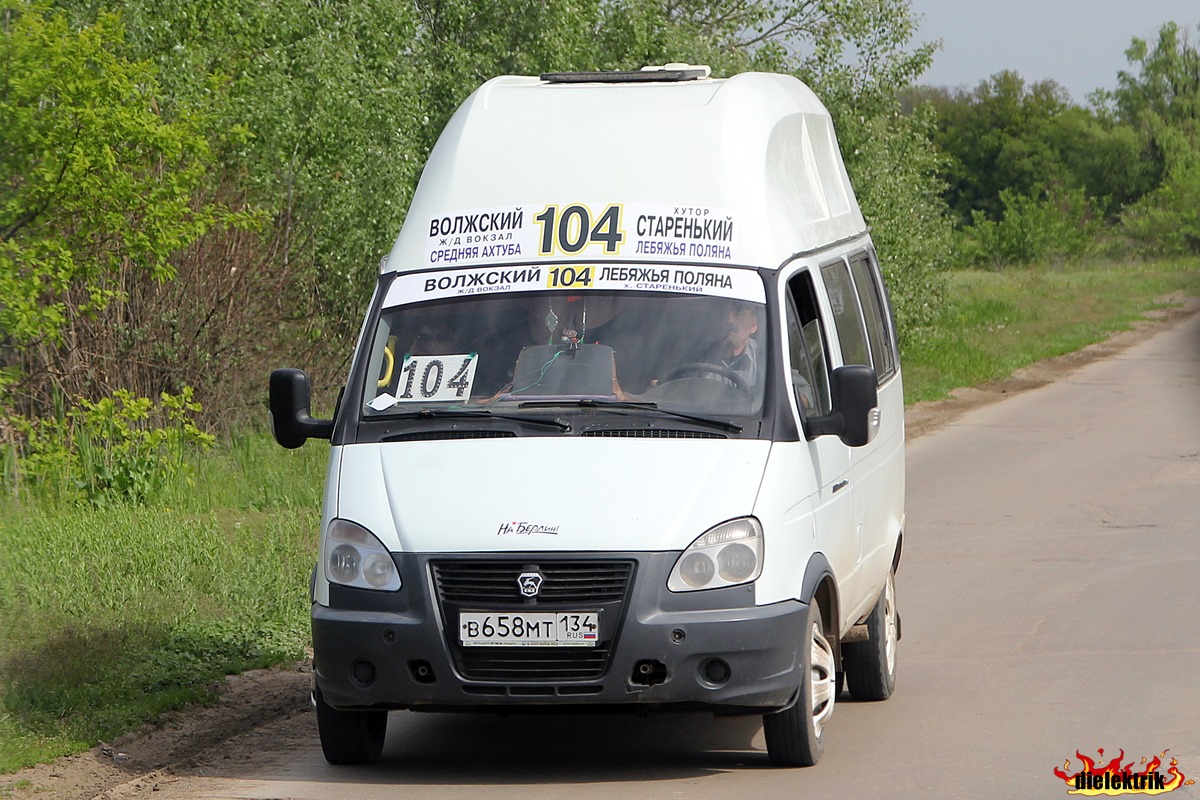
(184, 738)
(275, 702)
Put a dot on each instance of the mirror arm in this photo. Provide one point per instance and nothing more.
(832, 424)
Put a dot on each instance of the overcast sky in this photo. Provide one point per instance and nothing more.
(1078, 43)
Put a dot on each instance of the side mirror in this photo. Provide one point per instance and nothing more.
(855, 415)
(291, 424)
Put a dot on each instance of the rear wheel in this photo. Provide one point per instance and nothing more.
(350, 737)
(796, 735)
(871, 665)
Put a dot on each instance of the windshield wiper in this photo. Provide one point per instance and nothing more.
(633, 406)
(458, 413)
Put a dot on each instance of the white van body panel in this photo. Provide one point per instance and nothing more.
(570, 494)
(759, 147)
(870, 514)
(879, 489)
(789, 506)
(329, 510)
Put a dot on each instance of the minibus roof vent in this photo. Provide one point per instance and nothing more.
(667, 73)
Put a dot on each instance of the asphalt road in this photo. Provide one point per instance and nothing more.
(1050, 597)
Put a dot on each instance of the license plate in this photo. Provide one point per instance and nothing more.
(535, 629)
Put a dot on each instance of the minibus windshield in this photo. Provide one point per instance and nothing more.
(526, 352)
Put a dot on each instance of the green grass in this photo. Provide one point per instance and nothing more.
(994, 323)
(115, 615)
(112, 616)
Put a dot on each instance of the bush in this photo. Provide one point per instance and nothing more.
(1166, 221)
(119, 448)
(1054, 225)
(894, 169)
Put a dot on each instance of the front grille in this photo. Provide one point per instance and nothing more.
(543, 664)
(583, 585)
(567, 583)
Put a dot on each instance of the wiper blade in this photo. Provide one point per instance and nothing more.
(459, 413)
(631, 405)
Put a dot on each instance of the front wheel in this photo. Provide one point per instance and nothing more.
(871, 665)
(350, 737)
(796, 735)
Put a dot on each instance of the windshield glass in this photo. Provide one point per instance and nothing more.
(695, 351)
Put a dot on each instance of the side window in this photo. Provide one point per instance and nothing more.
(809, 371)
(847, 316)
(870, 297)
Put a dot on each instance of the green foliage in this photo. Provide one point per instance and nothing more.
(93, 179)
(343, 103)
(1161, 102)
(163, 668)
(997, 137)
(1054, 225)
(1167, 221)
(896, 164)
(1130, 159)
(321, 116)
(333, 103)
(995, 322)
(1132, 155)
(115, 615)
(119, 448)
(1102, 157)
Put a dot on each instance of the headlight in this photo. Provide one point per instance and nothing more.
(726, 555)
(354, 557)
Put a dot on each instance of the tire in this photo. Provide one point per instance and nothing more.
(796, 735)
(871, 665)
(350, 737)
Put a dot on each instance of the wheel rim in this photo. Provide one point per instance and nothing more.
(822, 678)
(889, 621)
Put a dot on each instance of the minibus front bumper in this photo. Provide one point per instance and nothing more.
(711, 649)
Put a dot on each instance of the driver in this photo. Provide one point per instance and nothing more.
(728, 345)
(434, 337)
(736, 350)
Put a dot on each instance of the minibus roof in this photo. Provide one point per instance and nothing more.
(739, 171)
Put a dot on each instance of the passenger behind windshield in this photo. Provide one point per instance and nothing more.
(561, 324)
(436, 334)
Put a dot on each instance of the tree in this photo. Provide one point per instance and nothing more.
(1102, 156)
(1160, 100)
(857, 55)
(333, 107)
(335, 110)
(996, 138)
(95, 183)
(344, 104)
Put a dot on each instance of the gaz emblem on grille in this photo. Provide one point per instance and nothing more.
(530, 583)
